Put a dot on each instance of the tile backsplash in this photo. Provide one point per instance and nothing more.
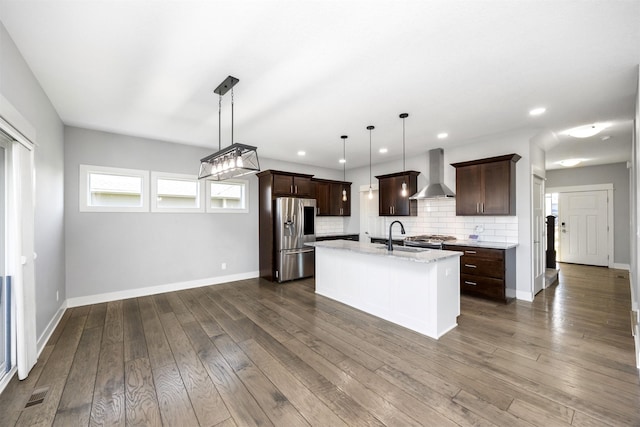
(439, 217)
(435, 217)
(329, 225)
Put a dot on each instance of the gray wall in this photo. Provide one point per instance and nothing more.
(20, 87)
(112, 252)
(616, 174)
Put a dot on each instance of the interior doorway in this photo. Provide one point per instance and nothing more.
(371, 224)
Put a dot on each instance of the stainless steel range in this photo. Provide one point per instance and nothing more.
(431, 241)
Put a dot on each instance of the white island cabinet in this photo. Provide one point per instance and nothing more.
(417, 290)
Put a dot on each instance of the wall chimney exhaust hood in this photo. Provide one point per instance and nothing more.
(436, 188)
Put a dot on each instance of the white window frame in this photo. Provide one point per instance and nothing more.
(84, 195)
(210, 209)
(175, 176)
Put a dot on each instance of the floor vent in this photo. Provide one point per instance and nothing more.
(37, 397)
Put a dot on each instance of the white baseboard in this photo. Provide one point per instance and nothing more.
(524, 295)
(621, 266)
(48, 331)
(153, 290)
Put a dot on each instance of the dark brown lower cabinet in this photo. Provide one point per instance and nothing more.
(487, 272)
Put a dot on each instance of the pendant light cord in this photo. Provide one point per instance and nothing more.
(231, 115)
(344, 157)
(404, 166)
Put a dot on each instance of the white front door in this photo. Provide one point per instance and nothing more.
(538, 234)
(583, 227)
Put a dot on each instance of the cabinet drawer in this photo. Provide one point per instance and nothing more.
(482, 266)
(474, 251)
(485, 286)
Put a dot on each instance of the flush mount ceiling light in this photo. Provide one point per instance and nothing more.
(370, 128)
(403, 192)
(442, 135)
(570, 162)
(302, 153)
(344, 167)
(234, 160)
(537, 111)
(587, 130)
(383, 151)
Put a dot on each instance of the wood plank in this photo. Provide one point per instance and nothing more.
(96, 317)
(135, 346)
(108, 407)
(206, 401)
(207, 322)
(141, 402)
(313, 410)
(240, 403)
(75, 404)
(271, 400)
(175, 407)
(157, 345)
(113, 331)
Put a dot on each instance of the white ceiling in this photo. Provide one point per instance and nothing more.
(311, 71)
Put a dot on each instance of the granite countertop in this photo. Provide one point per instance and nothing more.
(425, 256)
(482, 244)
(336, 234)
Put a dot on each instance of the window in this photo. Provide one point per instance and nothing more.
(227, 196)
(105, 189)
(172, 192)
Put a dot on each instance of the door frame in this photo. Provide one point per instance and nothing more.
(610, 226)
(540, 238)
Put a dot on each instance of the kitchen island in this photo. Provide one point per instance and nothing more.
(418, 289)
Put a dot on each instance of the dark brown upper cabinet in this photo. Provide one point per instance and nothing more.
(390, 200)
(328, 195)
(287, 184)
(486, 186)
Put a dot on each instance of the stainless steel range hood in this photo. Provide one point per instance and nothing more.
(436, 188)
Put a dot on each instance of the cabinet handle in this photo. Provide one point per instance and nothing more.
(296, 189)
(482, 206)
(340, 211)
(469, 252)
(477, 207)
(291, 189)
(470, 266)
(470, 283)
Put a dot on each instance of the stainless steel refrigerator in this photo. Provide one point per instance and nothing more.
(295, 225)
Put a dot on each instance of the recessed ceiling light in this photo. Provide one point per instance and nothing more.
(537, 111)
(442, 135)
(587, 130)
(570, 162)
(382, 150)
(302, 153)
(342, 161)
(605, 137)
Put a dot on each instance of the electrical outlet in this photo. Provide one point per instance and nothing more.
(224, 266)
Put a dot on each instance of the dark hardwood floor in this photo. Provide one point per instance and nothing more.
(255, 353)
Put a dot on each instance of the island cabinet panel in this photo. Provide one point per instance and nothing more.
(486, 186)
(486, 272)
(328, 195)
(390, 200)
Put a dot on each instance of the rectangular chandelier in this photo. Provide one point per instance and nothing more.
(234, 160)
(230, 162)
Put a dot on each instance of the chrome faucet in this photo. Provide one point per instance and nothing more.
(390, 241)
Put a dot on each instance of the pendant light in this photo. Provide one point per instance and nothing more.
(403, 192)
(234, 160)
(344, 167)
(370, 128)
